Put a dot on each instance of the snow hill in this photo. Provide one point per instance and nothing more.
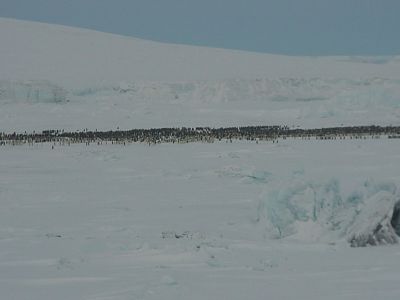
(68, 78)
(74, 57)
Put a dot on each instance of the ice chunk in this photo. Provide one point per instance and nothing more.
(372, 224)
(395, 222)
(367, 215)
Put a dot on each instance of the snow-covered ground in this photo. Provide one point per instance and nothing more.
(192, 221)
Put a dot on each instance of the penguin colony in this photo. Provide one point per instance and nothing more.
(197, 134)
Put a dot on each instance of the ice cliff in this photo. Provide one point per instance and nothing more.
(32, 91)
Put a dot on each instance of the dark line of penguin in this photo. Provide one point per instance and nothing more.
(197, 134)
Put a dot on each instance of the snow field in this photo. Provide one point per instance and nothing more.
(188, 221)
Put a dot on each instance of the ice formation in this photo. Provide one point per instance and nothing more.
(32, 91)
(372, 225)
(369, 215)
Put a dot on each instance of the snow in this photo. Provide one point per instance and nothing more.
(193, 221)
(75, 57)
(41, 105)
(106, 81)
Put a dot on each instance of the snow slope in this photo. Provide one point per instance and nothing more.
(67, 78)
(74, 57)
